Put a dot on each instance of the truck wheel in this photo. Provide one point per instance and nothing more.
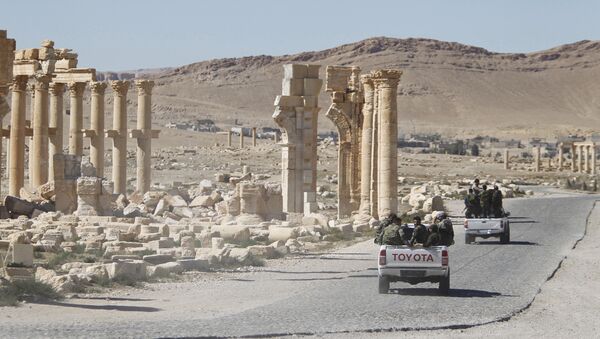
(384, 285)
(445, 284)
(469, 239)
(505, 237)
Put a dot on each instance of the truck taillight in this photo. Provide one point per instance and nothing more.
(382, 255)
(466, 223)
(444, 257)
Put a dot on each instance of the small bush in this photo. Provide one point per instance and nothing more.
(13, 292)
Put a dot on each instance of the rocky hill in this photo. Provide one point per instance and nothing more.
(446, 87)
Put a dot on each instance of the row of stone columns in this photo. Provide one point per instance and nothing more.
(583, 157)
(47, 131)
(230, 138)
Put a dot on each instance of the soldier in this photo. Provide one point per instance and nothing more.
(445, 229)
(486, 202)
(497, 208)
(476, 188)
(390, 220)
(420, 233)
(433, 239)
(472, 206)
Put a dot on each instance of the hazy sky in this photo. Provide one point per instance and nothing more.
(125, 35)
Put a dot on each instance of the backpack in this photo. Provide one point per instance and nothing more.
(446, 231)
(392, 235)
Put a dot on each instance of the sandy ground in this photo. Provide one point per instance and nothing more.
(566, 307)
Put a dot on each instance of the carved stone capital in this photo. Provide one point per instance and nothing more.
(20, 83)
(98, 87)
(42, 82)
(120, 87)
(76, 88)
(144, 87)
(386, 77)
(56, 88)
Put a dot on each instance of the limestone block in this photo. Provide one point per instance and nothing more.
(87, 168)
(46, 190)
(312, 71)
(344, 228)
(188, 242)
(262, 251)
(87, 205)
(89, 186)
(22, 254)
(31, 54)
(151, 199)
(203, 201)
(97, 273)
(157, 259)
(312, 86)
(161, 207)
(64, 64)
(69, 231)
(176, 201)
(134, 270)
(46, 53)
(282, 233)
(311, 100)
(294, 87)
(295, 71)
(289, 101)
(239, 255)
(194, 264)
(164, 270)
(337, 78)
(217, 243)
(183, 212)
(47, 43)
(161, 243)
(233, 233)
(148, 237)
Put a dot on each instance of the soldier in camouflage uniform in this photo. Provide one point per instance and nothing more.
(486, 202)
(420, 233)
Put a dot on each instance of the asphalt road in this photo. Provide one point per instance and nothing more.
(332, 293)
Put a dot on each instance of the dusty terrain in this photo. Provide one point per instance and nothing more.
(447, 87)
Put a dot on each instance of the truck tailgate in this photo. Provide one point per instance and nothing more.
(484, 224)
(407, 257)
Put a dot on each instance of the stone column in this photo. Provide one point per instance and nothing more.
(144, 142)
(76, 90)
(241, 137)
(253, 136)
(573, 155)
(506, 160)
(29, 132)
(386, 84)
(593, 160)
(229, 138)
(579, 160)
(39, 160)
(56, 124)
(366, 146)
(119, 135)
(537, 159)
(375, 156)
(17, 135)
(586, 159)
(97, 127)
(560, 156)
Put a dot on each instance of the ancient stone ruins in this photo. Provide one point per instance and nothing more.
(71, 205)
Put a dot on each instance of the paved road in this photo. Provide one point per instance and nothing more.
(332, 292)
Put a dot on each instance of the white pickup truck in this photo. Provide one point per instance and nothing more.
(413, 265)
(487, 228)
